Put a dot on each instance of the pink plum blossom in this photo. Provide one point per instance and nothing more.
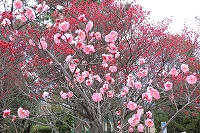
(140, 128)
(191, 79)
(110, 94)
(31, 42)
(113, 69)
(117, 54)
(5, 22)
(89, 82)
(155, 93)
(168, 86)
(23, 113)
(88, 26)
(22, 18)
(184, 68)
(42, 7)
(141, 60)
(43, 44)
(130, 129)
(97, 97)
(80, 79)
(88, 49)
(125, 89)
(81, 35)
(147, 96)
(30, 13)
(70, 94)
(64, 26)
(80, 45)
(97, 35)
(173, 72)
(6, 113)
(111, 37)
(17, 4)
(118, 112)
(134, 120)
(68, 58)
(149, 122)
(82, 18)
(67, 38)
(45, 94)
(72, 66)
(57, 38)
(131, 106)
(149, 114)
(63, 94)
(138, 85)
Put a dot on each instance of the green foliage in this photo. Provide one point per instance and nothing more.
(61, 127)
(188, 123)
(41, 129)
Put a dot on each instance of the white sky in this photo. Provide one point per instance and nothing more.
(179, 11)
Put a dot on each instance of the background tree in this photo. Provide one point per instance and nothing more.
(100, 63)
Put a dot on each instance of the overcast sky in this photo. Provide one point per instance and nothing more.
(179, 10)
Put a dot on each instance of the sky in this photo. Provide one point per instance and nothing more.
(179, 11)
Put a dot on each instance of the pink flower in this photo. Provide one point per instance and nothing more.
(89, 82)
(43, 44)
(31, 42)
(45, 94)
(147, 96)
(126, 90)
(155, 93)
(191, 79)
(5, 22)
(22, 18)
(184, 68)
(149, 114)
(98, 78)
(88, 26)
(130, 129)
(67, 38)
(168, 86)
(173, 72)
(138, 85)
(110, 94)
(140, 128)
(68, 58)
(42, 7)
(64, 26)
(113, 68)
(149, 122)
(57, 38)
(82, 18)
(109, 79)
(134, 120)
(70, 94)
(30, 13)
(97, 35)
(111, 37)
(88, 49)
(63, 94)
(131, 105)
(97, 97)
(118, 112)
(72, 66)
(80, 79)
(17, 4)
(117, 54)
(141, 60)
(81, 35)
(23, 113)
(6, 113)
